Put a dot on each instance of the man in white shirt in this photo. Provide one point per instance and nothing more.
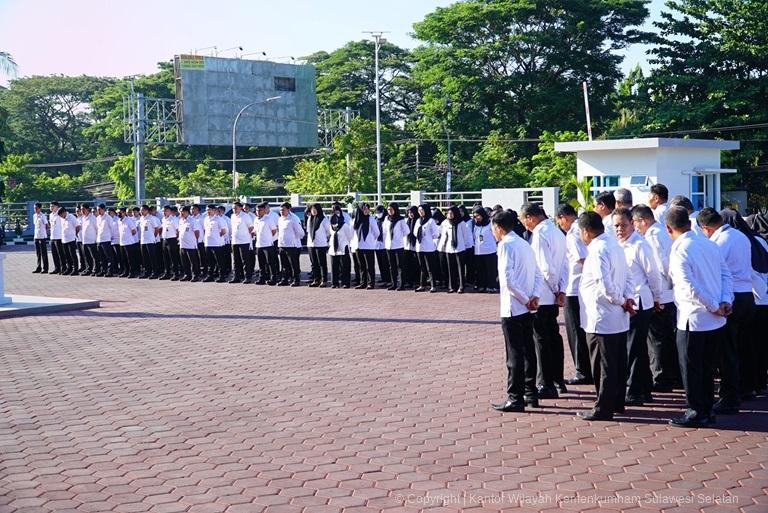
(149, 229)
(647, 279)
(520, 282)
(606, 291)
(264, 230)
(68, 242)
(703, 294)
(682, 201)
(227, 240)
(127, 231)
(662, 348)
(657, 200)
(576, 252)
(41, 224)
(215, 229)
(242, 230)
(289, 235)
(169, 234)
(736, 251)
(623, 198)
(57, 251)
(189, 233)
(120, 263)
(197, 215)
(549, 247)
(88, 235)
(604, 204)
(106, 262)
(248, 210)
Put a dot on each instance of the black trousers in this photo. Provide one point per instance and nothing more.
(441, 269)
(216, 254)
(57, 252)
(486, 271)
(340, 266)
(410, 268)
(269, 268)
(730, 352)
(81, 256)
(740, 328)
(290, 262)
(520, 355)
(367, 260)
(106, 262)
(428, 265)
(577, 339)
(132, 255)
(149, 260)
(92, 257)
(356, 265)
(384, 269)
(662, 347)
(639, 379)
(120, 262)
(69, 262)
(319, 264)
(469, 265)
(203, 255)
(395, 258)
(549, 346)
(227, 248)
(695, 350)
(761, 348)
(190, 263)
(243, 266)
(171, 257)
(41, 250)
(455, 270)
(605, 353)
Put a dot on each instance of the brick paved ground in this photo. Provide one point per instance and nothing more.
(230, 398)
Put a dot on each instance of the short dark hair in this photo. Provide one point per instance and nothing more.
(624, 212)
(167, 206)
(709, 217)
(623, 195)
(263, 204)
(136, 209)
(85, 205)
(681, 201)
(564, 209)
(237, 204)
(286, 205)
(660, 190)
(101, 206)
(186, 209)
(591, 222)
(607, 199)
(678, 218)
(111, 209)
(505, 220)
(211, 206)
(55, 203)
(145, 206)
(642, 212)
(38, 205)
(533, 210)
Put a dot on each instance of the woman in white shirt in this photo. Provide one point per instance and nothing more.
(486, 272)
(410, 260)
(454, 240)
(381, 252)
(364, 239)
(318, 233)
(469, 253)
(426, 232)
(441, 271)
(341, 233)
(394, 232)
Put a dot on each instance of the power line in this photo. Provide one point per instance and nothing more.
(73, 163)
(258, 159)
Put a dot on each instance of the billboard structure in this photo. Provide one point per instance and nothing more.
(210, 91)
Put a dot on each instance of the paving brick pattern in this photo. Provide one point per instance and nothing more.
(191, 397)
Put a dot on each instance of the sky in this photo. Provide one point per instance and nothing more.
(117, 39)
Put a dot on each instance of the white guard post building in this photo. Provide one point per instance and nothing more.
(690, 167)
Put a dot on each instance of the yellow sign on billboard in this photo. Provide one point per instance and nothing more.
(192, 61)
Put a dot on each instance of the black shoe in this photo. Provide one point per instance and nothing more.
(235, 280)
(143, 277)
(176, 278)
(55, 271)
(634, 401)
(282, 283)
(44, 271)
(594, 415)
(561, 387)
(322, 285)
(260, 282)
(420, 289)
(509, 406)
(296, 284)
(531, 401)
(165, 277)
(451, 291)
(271, 283)
(247, 281)
(186, 278)
(334, 286)
(548, 393)
(578, 381)
(620, 409)
(370, 287)
(345, 286)
(208, 280)
(195, 279)
(314, 284)
(392, 287)
(433, 290)
(460, 290)
(154, 277)
(74, 273)
(37, 271)
(400, 288)
(694, 422)
(647, 398)
(724, 408)
(361, 286)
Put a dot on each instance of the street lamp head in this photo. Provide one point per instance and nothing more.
(273, 99)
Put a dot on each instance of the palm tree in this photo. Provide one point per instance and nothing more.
(7, 64)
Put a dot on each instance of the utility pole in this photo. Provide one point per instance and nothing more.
(450, 167)
(138, 142)
(235, 175)
(378, 40)
(347, 116)
(417, 162)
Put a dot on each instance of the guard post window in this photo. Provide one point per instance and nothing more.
(285, 84)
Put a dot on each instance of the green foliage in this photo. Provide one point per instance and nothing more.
(496, 164)
(21, 183)
(556, 169)
(584, 189)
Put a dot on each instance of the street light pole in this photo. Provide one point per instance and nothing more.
(449, 173)
(234, 139)
(378, 40)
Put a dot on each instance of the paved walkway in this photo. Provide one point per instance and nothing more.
(216, 398)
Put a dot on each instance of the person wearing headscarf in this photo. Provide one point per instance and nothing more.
(410, 260)
(318, 233)
(427, 232)
(441, 272)
(365, 238)
(394, 230)
(341, 234)
(486, 271)
(454, 240)
(381, 252)
(469, 253)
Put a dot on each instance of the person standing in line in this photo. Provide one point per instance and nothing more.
(198, 216)
(189, 233)
(604, 204)
(605, 295)
(427, 233)
(365, 238)
(120, 264)
(575, 253)
(485, 252)
(657, 201)
(215, 229)
(549, 246)
(623, 198)
(149, 228)
(57, 251)
(647, 296)
(242, 234)
(222, 212)
(248, 210)
(318, 233)
(411, 270)
(760, 290)
(468, 272)
(682, 201)
(441, 269)
(520, 282)
(104, 226)
(169, 234)
(81, 269)
(341, 234)
(380, 213)
(736, 251)
(264, 230)
(394, 231)
(703, 294)
(453, 242)
(289, 235)
(41, 224)
(128, 245)
(68, 242)
(88, 236)
(662, 348)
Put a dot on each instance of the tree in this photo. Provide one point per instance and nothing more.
(7, 65)
(555, 169)
(21, 183)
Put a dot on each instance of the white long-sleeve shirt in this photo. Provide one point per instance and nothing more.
(463, 237)
(643, 269)
(659, 212)
(323, 233)
(41, 222)
(88, 229)
(214, 227)
(549, 246)
(605, 286)
(240, 224)
(104, 228)
(55, 221)
(737, 253)
(126, 228)
(701, 282)
(187, 228)
(68, 229)
(170, 227)
(394, 237)
(148, 225)
(519, 277)
(289, 231)
(429, 235)
(343, 237)
(262, 229)
(661, 244)
(485, 243)
(575, 253)
(370, 241)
